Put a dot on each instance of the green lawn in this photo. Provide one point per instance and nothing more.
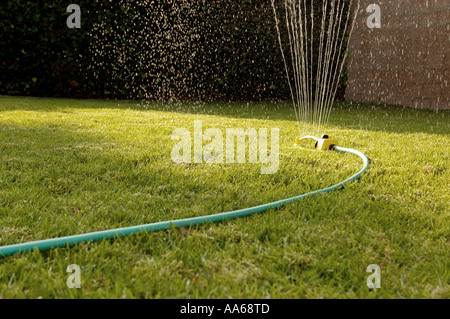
(75, 166)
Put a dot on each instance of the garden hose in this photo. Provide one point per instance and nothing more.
(68, 241)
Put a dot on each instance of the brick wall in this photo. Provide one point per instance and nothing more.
(406, 61)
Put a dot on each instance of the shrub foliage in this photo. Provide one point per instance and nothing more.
(160, 49)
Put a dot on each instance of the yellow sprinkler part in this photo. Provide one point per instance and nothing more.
(325, 143)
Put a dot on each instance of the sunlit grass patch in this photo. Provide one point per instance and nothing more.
(75, 166)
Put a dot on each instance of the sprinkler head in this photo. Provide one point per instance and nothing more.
(324, 143)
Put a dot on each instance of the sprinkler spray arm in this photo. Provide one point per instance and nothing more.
(324, 143)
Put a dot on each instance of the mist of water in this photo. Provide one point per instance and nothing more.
(313, 37)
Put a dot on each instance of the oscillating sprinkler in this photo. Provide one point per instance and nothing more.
(325, 143)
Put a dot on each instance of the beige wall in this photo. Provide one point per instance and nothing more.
(406, 61)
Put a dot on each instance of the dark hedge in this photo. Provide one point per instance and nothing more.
(162, 49)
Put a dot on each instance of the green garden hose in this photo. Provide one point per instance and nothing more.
(68, 241)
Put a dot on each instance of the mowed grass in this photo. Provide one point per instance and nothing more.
(76, 166)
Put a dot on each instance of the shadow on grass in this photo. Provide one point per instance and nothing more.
(345, 115)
